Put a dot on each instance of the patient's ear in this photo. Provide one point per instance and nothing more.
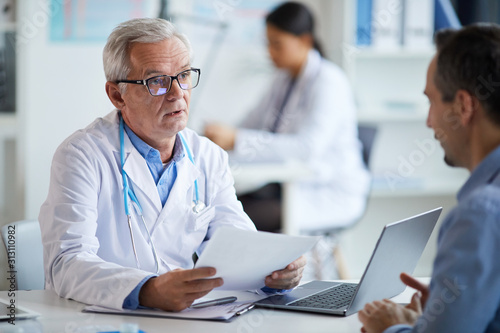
(115, 95)
(467, 105)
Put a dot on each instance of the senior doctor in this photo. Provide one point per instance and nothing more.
(135, 194)
(308, 114)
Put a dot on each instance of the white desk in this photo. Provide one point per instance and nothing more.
(60, 315)
(251, 176)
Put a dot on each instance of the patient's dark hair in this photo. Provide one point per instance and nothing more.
(469, 59)
(294, 18)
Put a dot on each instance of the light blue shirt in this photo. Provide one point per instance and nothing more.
(465, 286)
(164, 178)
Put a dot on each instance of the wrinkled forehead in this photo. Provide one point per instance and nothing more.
(166, 57)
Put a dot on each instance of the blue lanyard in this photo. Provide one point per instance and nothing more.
(190, 156)
(127, 191)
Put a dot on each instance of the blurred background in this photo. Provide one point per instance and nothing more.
(52, 83)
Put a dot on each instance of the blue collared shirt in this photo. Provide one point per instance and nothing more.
(465, 286)
(164, 177)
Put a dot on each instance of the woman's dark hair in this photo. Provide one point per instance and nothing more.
(294, 18)
(469, 59)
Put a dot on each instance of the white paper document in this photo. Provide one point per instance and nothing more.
(244, 258)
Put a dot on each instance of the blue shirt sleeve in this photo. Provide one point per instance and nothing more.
(465, 285)
(268, 290)
(398, 329)
(131, 302)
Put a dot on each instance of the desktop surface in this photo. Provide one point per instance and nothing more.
(59, 315)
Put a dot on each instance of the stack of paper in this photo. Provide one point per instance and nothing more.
(244, 258)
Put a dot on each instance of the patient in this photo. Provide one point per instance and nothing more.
(462, 88)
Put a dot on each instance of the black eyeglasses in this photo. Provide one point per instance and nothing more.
(161, 84)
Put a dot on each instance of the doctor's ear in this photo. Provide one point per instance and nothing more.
(115, 95)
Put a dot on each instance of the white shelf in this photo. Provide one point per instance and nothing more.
(391, 54)
(418, 188)
(250, 176)
(378, 116)
(392, 111)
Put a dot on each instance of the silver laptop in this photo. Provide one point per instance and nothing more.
(398, 249)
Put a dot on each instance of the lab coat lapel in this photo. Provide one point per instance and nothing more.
(301, 91)
(182, 192)
(138, 173)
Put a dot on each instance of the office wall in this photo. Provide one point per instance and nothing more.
(236, 69)
(62, 90)
(63, 86)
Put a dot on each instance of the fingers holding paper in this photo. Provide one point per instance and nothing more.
(178, 289)
(289, 277)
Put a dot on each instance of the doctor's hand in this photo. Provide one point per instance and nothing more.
(176, 290)
(289, 277)
(221, 135)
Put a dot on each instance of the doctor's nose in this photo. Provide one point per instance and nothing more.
(175, 92)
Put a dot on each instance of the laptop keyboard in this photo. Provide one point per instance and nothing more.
(337, 297)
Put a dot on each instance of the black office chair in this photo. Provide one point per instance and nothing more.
(366, 135)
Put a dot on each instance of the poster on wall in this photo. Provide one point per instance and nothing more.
(93, 20)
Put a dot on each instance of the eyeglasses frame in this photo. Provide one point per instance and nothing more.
(172, 78)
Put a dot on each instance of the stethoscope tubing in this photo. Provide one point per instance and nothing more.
(128, 192)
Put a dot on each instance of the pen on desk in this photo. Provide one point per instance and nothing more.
(218, 301)
(245, 310)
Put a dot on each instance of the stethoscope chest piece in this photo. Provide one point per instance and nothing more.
(198, 206)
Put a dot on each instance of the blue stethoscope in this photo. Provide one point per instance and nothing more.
(197, 205)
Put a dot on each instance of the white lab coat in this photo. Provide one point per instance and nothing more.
(88, 254)
(319, 128)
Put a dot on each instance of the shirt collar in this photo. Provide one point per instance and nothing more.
(484, 173)
(147, 151)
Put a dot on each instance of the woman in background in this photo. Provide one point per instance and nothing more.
(308, 114)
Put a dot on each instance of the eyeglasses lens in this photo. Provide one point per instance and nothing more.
(160, 85)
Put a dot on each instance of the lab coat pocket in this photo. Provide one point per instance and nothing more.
(204, 217)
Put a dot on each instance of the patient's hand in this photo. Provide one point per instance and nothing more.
(377, 316)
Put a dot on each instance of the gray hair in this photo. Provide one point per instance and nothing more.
(143, 30)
